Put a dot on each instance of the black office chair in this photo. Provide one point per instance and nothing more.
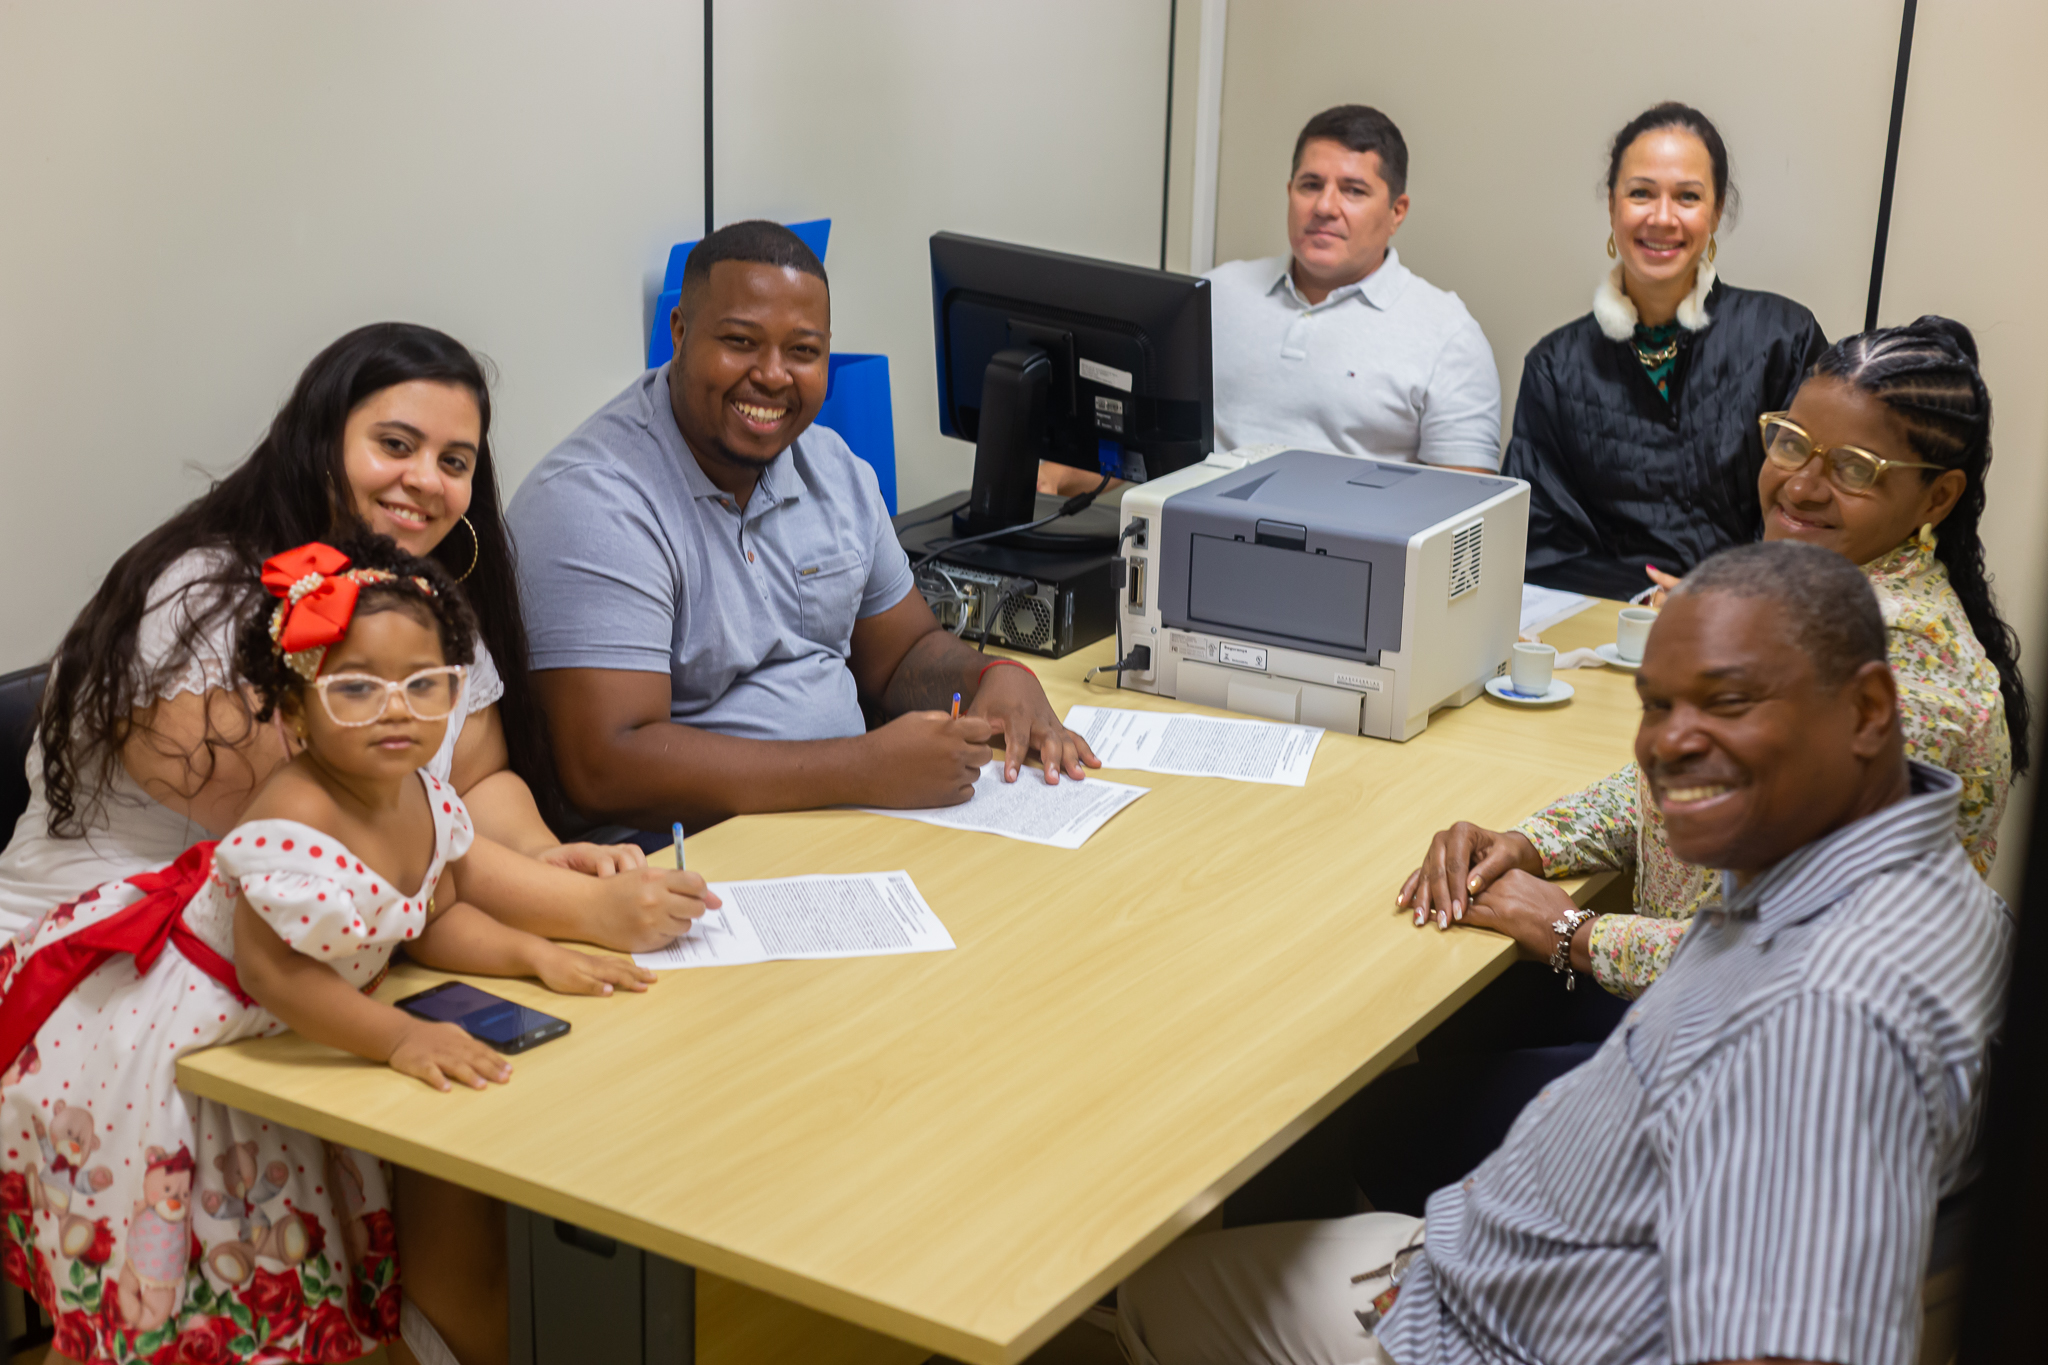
(20, 693)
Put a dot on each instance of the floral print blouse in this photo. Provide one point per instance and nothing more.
(1953, 716)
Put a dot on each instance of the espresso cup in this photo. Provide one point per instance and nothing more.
(1632, 632)
(1530, 668)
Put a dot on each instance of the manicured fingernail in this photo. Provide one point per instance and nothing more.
(1418, 919)
(1458, 912)
(1473, 884)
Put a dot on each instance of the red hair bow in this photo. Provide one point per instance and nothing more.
(319, 600)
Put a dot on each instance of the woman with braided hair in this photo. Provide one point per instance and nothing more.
(1882, 458)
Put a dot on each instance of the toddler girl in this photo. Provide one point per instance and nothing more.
(148, 1223)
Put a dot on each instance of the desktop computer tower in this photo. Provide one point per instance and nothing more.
(1032, 601)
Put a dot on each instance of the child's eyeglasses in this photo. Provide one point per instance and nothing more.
(354, 699)
(1849, 468)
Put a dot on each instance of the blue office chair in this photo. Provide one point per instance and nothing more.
(857, 402)
(660, 344)
(857, 407)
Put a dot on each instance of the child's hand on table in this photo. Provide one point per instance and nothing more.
(439, 1053)
(644, 908)
(567, 972)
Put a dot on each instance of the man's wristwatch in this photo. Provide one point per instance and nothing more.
(1565, 926)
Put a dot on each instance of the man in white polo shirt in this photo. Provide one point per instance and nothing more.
(1339, 346)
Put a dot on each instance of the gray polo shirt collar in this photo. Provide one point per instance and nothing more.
(1828, 869)
(1378, 289)
(779, 482)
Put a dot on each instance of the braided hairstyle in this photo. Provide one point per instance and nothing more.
(262, 664)
(1926, 373)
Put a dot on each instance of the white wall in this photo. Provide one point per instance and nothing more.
(1965, 241)
(1042, 124)
(1507, 109)
(198, 197)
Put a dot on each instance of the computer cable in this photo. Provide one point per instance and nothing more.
(1073, 506)
(955, 596)
(1009, 590)
(1139, 660)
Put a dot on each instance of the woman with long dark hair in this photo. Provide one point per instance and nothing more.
(147, 741)
(1636, 424)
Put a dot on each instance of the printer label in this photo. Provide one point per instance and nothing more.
(1191, 646)
(1242, 656)
(1109, 414)
(1359, 681)
(1106, 374)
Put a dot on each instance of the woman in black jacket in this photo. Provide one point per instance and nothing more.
(1636, 426)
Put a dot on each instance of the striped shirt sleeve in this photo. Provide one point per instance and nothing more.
(1801, 1196)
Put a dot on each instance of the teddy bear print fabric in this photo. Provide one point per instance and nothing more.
(155, 1226)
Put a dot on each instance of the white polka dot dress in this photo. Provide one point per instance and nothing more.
(141, 1217)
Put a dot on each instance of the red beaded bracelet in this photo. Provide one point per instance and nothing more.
(998, 663)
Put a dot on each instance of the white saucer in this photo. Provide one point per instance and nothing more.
(1612, 658)
(1502, 688)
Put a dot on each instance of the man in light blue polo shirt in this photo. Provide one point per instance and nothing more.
(1338, 346)
(713, 589)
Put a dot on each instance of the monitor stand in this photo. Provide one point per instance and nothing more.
(1016, 391)
(1092, 528)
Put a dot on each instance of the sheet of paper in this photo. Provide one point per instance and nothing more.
(1198, 746)
(1543, 608)
(869, 914)
(1063, 814)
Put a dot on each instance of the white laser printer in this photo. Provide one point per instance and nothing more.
(1357, 595)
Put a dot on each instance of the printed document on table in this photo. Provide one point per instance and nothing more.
(1543, 608)
(1062, 814)
(1198, 746)
(869, 914)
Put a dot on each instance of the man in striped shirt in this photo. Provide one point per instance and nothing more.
(1749, 1167)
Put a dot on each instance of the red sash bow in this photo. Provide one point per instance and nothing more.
(53, 971)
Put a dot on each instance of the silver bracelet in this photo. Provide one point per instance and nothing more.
(1565, 926)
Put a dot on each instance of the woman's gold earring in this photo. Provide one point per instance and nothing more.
(1611, 252)
(1713, 246)
(476, 549)
(1927, 536)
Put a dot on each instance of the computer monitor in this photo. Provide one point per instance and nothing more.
(1046, 356)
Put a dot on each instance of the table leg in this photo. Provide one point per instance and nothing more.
(577, 1296)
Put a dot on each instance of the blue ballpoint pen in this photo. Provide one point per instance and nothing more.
(677, 829)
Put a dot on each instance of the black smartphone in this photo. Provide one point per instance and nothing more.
(492, 1019)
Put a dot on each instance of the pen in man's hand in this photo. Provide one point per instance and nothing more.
(956, 706)
(677, 830)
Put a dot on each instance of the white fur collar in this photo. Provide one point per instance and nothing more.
(1617, 316)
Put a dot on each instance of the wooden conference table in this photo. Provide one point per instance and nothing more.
(964, 1150)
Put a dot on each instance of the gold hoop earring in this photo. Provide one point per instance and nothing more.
(1611, 252)
(1713, 245)
(1927, 540)
(476, 549)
